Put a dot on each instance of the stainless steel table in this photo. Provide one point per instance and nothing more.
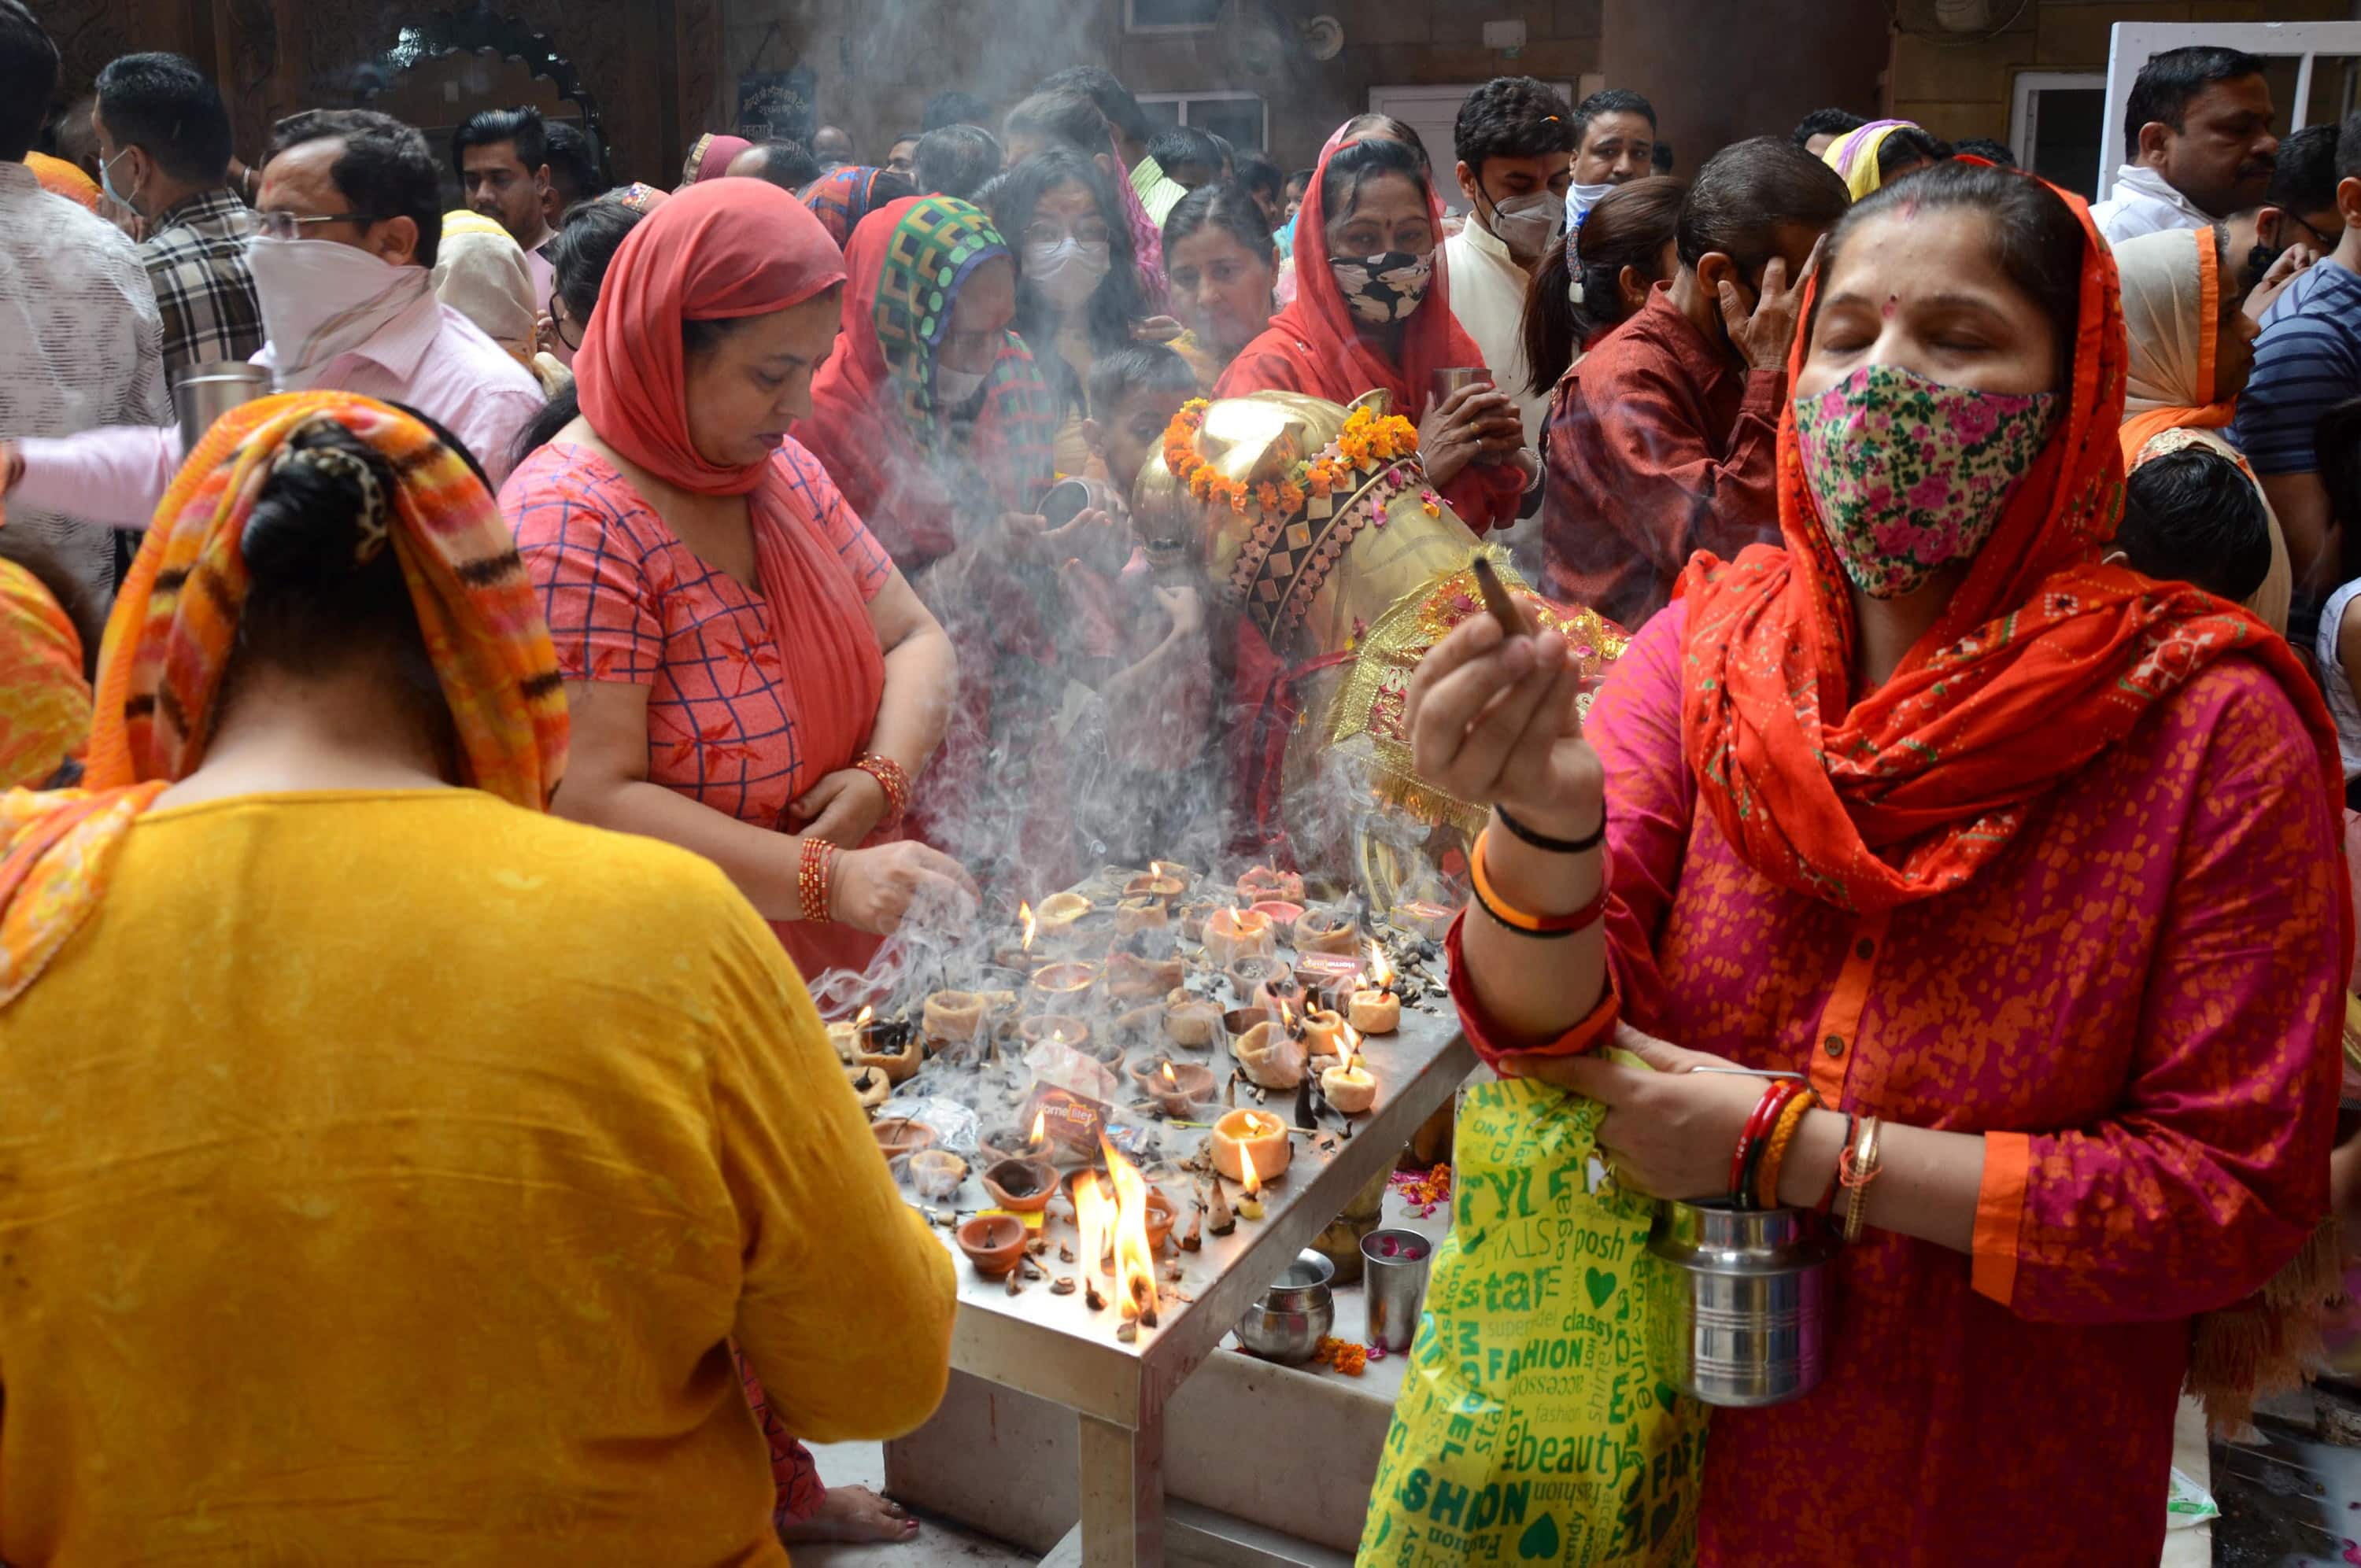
(1056, 1348)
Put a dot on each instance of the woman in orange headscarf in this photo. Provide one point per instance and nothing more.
(751, 678)
(1372, 311)
(427, 1131)
(2024, 866)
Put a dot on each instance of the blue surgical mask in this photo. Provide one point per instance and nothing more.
(107, 182)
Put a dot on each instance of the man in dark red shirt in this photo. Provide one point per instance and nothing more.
(1662, 438)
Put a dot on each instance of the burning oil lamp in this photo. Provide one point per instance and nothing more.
(953, 1016)
(1021, 1185)
(1420, 918)
(1327, 931)
(1281, 992)
(1269, 881)
(891, 1047)
(1348, 1086)
(1271, 1056)
(1177, 1091)
(1233, 933)
(1375, 1009)
(1158, 884)
(1056, 1028)
(1250, 1195)
(1063, 981)
(1012, 1142)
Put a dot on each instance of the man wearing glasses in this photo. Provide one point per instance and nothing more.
(350, 214)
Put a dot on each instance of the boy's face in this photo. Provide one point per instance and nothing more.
(1130, 432)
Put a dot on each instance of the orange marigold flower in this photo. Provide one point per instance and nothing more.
(1291, 494)
(1267, 494)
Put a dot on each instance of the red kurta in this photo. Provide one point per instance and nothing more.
(2128, 1002)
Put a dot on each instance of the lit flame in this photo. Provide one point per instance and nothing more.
(1091, 1218)
(1156, 870)
(1040, 1125)
(1246, 1157)
(861, 1019)
(1134, 1265)
(1287, 1017)
(1381, 969)
(1025, 918)
(1170, 1080)
(1348, 1046)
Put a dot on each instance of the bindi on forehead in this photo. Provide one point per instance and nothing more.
(1892, 303)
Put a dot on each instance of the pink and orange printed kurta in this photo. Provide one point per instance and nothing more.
(2126, 1002)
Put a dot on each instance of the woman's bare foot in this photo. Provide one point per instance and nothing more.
(852, 1514)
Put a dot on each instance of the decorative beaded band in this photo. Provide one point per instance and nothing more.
(892, 780)
(816, 880)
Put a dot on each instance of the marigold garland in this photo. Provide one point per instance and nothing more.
(1368, 441)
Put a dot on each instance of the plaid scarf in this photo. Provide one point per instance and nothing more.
(174, 626)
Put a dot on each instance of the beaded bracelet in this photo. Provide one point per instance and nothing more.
(1856, 1168)
(1517, 920)
(814, 880)
(1774, 1151)
(892, 780)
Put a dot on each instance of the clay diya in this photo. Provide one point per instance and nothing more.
(1323, 1032)
(1059, 911)
(1374, 1012)
(1058, 1028)
(1267, 882)
(1159, 1217)
(1281, 914)
(1259, 1134)
(1348, 1086)
(1138, 1026)
(1141, 915)
(1422, 919)
(1021, 1185)
(952, 1015)
(936, 1173)
(994, 1243)
(892, 1049)
(1063, 981)
(1015, 1142)
(1248, 974)
(1280, 994)
(1327, 931)
(1131, 978)
(1177, 1088)
(1194, 915)
(843, 1036)
(1238, 1020)
(871, 1084)
(1235, 934)
(1271, 1057)
(1160, 885)
(899, 1137)
(1189, 1019)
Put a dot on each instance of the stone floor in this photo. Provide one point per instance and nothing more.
(2289, 1500)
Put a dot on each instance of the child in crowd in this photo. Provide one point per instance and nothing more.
(2191, 515)
(1134, 394)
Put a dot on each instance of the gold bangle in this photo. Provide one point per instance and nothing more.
(1859, 1169)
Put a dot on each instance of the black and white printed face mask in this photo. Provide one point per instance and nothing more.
(1386, 287)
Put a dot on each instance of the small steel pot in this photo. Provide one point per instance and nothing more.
(1288, 1321)
(1750, 1328)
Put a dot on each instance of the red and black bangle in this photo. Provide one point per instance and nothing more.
(814, 880)
(1750, 1142)
(892, 780)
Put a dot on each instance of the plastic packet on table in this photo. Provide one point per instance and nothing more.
(955, 1126)
(2187, 1503)
(1070, 1092)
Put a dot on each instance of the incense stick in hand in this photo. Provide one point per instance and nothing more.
(1495, 599)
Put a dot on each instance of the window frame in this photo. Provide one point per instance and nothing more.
(2131, 44)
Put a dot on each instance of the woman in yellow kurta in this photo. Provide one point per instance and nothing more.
(389, 1165)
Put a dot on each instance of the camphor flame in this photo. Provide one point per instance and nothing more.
(1040, 1125)
(1091, 1218)
(1381, 969)
(1134, 1265)
(861, 1019)
(1025, 920)
(1287, 1019)
(1170, 1081)
(1156, 870)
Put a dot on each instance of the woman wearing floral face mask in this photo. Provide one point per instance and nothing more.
(1378, 315)
(2024, 863)
(1078, 292)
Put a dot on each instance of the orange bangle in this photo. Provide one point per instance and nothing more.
(1517, 920)
(890, 778)
(1766, 1183)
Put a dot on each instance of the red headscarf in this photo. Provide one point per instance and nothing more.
(2042, 660)
(715, 252)
(710, 155)
(1312, 347)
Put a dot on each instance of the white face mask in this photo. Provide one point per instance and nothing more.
(321, 299)
(1580, 199)
(1527, 225)
(1067, 272)
(954, 387)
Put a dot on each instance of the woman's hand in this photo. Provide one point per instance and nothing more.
(1157, 329)
(1471, 421)
(1669, 1133)
(1096, 538)
(1492, 720)
(844, 808)
(874, 890)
